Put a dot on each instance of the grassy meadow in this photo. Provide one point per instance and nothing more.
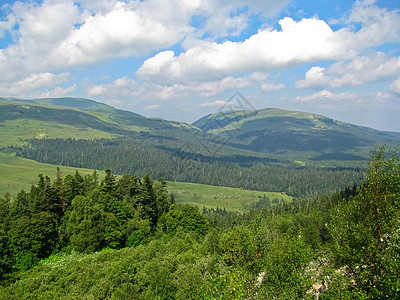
(19, 173)
(233, 199)
(15, 132)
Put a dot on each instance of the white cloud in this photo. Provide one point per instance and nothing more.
(33, 84)
(327, 96)
(56, 34)
(97, 90)
(365, 69)
(213, 104)
(206, 89)
(48, 24)
(259, 76)
(305, 41)
(121, 87)
(58, 92)
(385, 98)
(297, 42)
(361, 70)
(269, 87)
(212, 88)
(129, 88)
(59, 34)
(39, 29)
(395, 86)
(124, 31)
(378, 26)
(314, 77)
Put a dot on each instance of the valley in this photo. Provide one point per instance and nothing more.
(97, 202)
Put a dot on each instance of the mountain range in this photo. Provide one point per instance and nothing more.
(273, 133)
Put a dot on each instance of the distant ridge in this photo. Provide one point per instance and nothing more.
(288, 135)
(282, 131)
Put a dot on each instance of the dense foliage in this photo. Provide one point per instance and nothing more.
(137, 156)
(342, 246)
(86, 215)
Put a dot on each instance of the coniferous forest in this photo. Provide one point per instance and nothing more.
(137, 156)
(80, 237)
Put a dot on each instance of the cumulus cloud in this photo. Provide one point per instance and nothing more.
(269, 87)
(297, 42)
(212, 88)
(58, 92)
(378, 26)
(32, 84)
(39, 28)
(217, 103)
(121, 87)
(124, 31)
(59, 34)
(361, 70)
(395, 86)
(304, 41)
(128, 88)
(326, 96)
(314, 77)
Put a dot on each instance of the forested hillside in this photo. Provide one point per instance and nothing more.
(76, 237)
(300, 134)
(136, 157)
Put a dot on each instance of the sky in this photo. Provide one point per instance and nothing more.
(183, 59)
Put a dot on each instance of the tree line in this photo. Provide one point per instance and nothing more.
(130, 156)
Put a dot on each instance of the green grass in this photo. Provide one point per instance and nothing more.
(19, 173)
(14, 132)
(233, 199)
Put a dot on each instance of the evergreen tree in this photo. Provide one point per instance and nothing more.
(85, 225)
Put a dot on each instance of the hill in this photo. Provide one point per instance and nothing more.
(76, 118)
(267, 133)
(297, 134)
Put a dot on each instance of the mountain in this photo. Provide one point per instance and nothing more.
(266, 134)
(295, 133)
(75, 118)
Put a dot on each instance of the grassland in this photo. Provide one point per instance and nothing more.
(15, 132)
(18, 173)
(232, 199)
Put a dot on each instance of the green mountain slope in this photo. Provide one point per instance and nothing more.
(75, 118)
(295, 133)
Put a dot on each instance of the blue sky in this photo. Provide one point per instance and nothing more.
(183, 59)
